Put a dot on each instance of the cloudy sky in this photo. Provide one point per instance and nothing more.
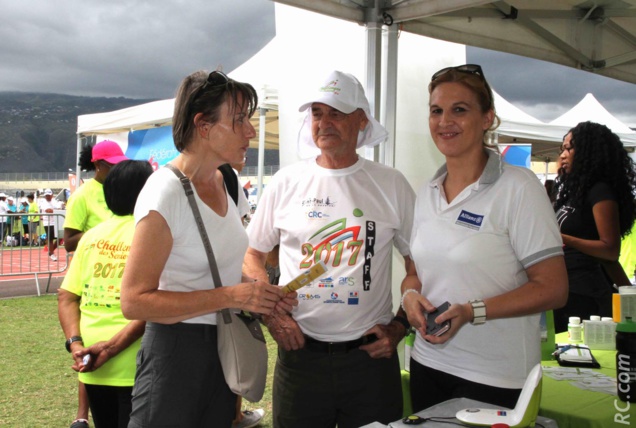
(143, 48)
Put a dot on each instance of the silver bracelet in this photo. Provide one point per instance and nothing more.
(410, 290)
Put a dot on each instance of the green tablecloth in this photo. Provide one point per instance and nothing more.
(573, 407)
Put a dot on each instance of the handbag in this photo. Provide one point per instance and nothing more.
(241, 343)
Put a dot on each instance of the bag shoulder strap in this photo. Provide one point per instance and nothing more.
(231, 181)
(189, 191)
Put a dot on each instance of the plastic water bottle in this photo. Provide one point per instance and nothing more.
(626, 360)
(575, 329)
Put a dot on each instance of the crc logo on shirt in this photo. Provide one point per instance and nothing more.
(470, 220)
(316, 215)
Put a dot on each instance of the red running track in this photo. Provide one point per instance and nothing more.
(26, 262)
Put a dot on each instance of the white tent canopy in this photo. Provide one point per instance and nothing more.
(590, 109)
(545, 138)
(144, 116)
(509, 112)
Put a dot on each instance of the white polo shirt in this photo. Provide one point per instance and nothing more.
(476, 247)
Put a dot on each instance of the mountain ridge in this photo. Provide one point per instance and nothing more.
(38, 130)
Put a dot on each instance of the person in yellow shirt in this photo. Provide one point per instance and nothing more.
(103, 344)
(627, 258)
(34, 220)
(86, 207)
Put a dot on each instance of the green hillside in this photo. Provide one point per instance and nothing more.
(37, 131)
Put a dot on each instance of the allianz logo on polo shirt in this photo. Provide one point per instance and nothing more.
(470, 220)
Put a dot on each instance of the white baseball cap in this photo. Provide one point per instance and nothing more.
(3, 195)
(343, 92)
(48, 192)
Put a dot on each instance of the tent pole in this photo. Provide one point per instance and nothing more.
(388, 105)
(262, 112)
(373, 58)
(78, 168)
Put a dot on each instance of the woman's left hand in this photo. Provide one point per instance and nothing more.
(99, 352)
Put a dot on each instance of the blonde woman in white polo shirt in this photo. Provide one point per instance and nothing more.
(484, 239)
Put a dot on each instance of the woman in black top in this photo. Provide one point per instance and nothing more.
(595, 209)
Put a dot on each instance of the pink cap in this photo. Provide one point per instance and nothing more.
(108, 151)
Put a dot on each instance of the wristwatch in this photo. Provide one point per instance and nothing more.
(479, 311)
(71, 340)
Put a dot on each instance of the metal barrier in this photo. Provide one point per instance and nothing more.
(26, 253)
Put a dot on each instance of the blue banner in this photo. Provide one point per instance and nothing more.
(516, 154)
(154, 145)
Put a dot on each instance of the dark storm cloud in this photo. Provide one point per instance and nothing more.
(545, 90)
(138, 49)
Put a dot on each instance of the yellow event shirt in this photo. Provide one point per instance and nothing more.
(87, 207)
(33, 209)
(628, 253)
(95, 275)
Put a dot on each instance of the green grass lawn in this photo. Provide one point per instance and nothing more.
(38, 388)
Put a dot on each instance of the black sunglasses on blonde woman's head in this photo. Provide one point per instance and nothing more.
(466, 68)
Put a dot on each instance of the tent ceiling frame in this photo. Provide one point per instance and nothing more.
(584, 61)
(593, 26)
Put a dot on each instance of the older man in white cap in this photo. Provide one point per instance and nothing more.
(48, 205)
(337, 361)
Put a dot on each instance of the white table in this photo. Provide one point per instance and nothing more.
(449, 409)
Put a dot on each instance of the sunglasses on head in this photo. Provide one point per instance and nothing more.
(466, 68)
(216, 78)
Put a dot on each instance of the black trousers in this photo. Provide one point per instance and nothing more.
(349, 389)
(429, 387)
(179, 381)
(110, 405)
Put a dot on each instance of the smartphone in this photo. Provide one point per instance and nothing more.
(434, 329)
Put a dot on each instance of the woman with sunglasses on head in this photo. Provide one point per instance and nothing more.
(484, 239)
(594, 208)
(167, 281)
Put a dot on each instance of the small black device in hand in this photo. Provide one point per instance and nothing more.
(434, 329)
